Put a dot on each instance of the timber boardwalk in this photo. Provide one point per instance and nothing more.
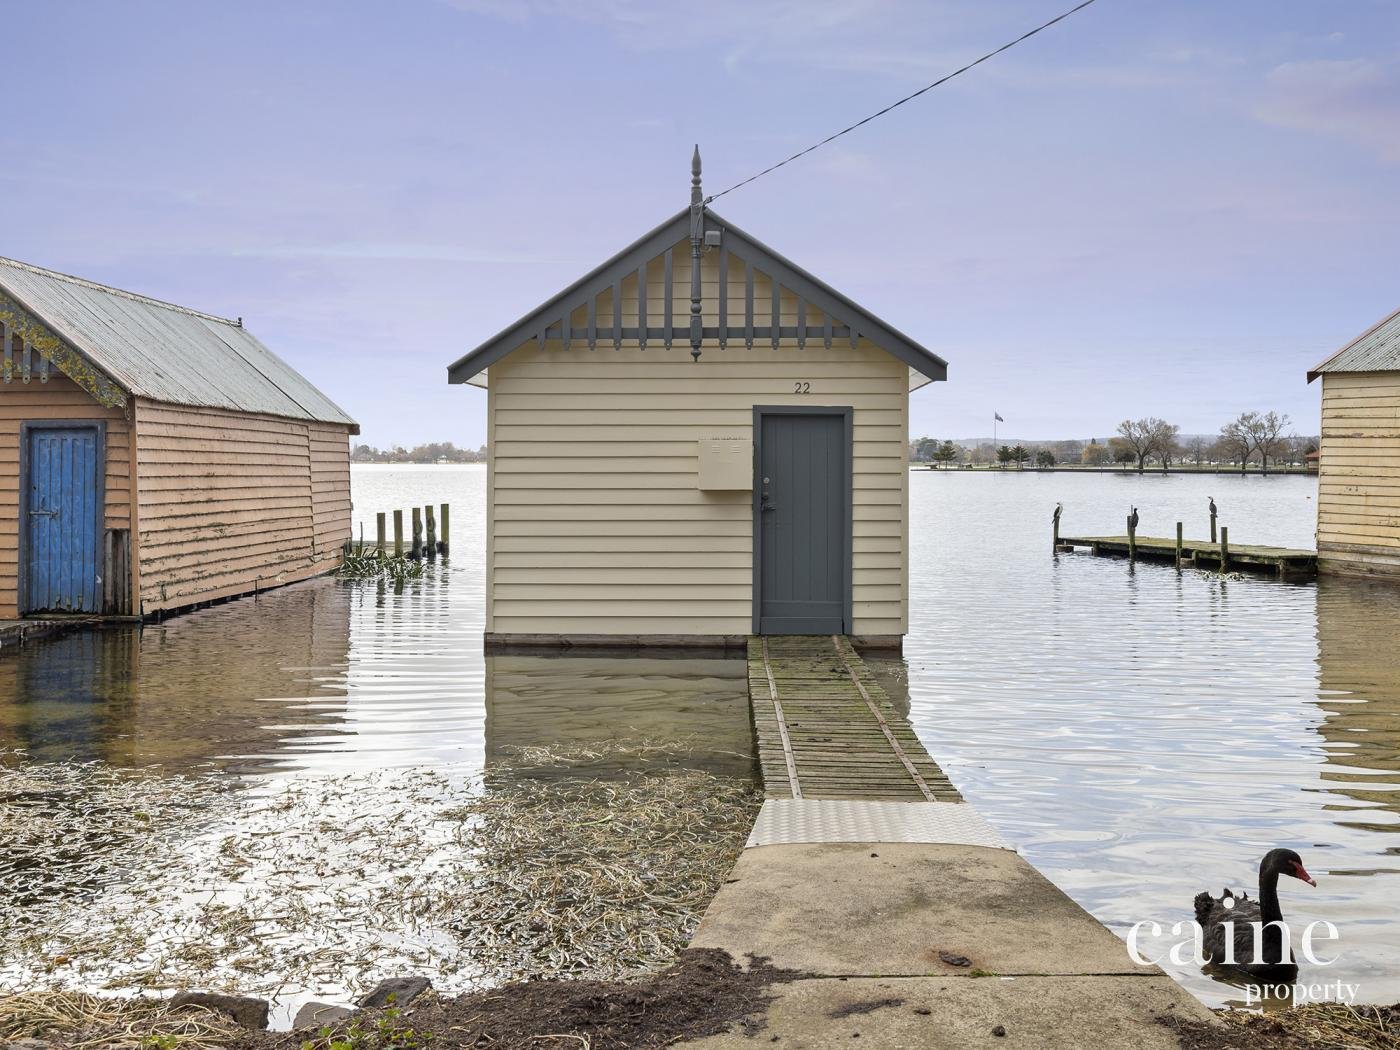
(1285, 562)
(826, 729)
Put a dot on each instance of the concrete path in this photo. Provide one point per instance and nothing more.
(912, 923)
(874, 923)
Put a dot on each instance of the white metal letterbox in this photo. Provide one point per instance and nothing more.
(726, 463)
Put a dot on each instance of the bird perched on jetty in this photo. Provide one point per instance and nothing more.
(1212, 505)
(1133, 520)
(1236, 919)
(1055, 518)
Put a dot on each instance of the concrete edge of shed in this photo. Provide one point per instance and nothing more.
(261, 586)
(527, 643)
(14, 633)
(1358, 560)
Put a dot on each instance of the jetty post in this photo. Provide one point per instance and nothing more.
(416, 550)
(1055, 526)
(398, 534)
(1224, 547)
(430, 543)
(1212, 521)
(379, 532)
(1178, 546)
(442, 530)
(1132, 538)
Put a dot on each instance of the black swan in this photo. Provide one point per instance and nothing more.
(1212, 913)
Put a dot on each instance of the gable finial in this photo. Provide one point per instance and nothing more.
(697, 239)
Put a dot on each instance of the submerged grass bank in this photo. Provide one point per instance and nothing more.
(317, 886)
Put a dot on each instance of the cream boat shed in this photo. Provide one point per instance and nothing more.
(153, 457)
(1358, 489)
(697, 441)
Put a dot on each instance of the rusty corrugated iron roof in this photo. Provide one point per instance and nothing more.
(165, 352)
(1375, 350)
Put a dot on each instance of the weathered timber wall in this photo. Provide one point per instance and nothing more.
(231, 502)
(1358, 504)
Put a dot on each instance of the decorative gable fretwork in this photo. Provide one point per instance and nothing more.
(651, 307)
(29, 352)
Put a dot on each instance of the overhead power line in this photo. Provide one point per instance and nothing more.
(907, 98)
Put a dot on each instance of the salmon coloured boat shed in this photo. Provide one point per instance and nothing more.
(1358, 486)
(154, 457)
(697, 441)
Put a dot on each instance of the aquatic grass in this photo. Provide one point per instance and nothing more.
(371, 563)
(597, 878)
(321, 885)
(1313, 1026)
(67, 826)
(79, 1022)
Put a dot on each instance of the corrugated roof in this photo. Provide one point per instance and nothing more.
(165, 352)
(1375, 350)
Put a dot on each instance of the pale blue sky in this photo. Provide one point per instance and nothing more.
(1152, 208)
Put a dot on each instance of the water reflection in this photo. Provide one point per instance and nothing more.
(1358, 652)
(210, 687)
(681, 712)
(330, 676)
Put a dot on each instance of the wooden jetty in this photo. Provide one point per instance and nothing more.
(827, 730)
(1285, 562)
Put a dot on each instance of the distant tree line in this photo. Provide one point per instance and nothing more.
(433, 452)
(1250, 438)
(1253, 439)
(931, 450)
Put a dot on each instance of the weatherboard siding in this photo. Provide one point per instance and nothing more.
(597, 524)
(1358, 519)
(233, 502)
(59, 398)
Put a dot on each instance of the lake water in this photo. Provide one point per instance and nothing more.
(1141, 735)
(1137, 733)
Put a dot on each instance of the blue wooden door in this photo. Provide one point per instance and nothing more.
(61, 504)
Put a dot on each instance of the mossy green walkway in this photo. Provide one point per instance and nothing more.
(826, 728)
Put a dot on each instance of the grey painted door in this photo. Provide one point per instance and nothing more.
(803, 485)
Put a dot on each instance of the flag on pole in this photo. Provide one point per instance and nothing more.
(998, 418)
